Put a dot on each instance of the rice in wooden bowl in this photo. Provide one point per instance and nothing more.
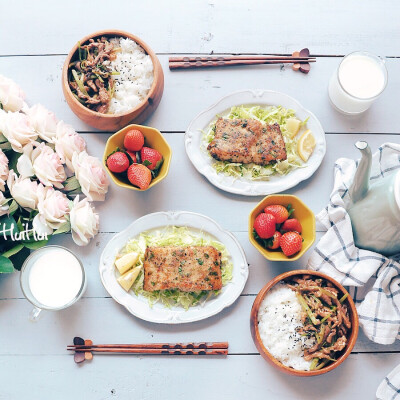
(288, 338)
(111, 78)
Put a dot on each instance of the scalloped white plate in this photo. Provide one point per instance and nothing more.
(246, 187)
(138, 305)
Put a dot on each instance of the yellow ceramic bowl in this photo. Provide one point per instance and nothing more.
(152, 138)
(301, 212)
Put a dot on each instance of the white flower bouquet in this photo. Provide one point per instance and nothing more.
(44, 168)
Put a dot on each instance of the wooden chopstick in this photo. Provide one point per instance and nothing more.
(205, 352)
(202, 345)
(218, 63)
(230, 58)
(205, 348)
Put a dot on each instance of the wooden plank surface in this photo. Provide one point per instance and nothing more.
(146, 378)
(336, 27)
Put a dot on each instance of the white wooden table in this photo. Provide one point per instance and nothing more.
(35, 37)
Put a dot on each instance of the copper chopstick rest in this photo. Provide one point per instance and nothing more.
(84, 349)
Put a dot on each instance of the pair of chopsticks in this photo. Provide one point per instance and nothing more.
(204, 62)
(84, 349)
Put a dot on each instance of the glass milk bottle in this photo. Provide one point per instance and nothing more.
(360, 78)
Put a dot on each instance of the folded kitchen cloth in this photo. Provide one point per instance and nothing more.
(374, 280)
(389, 389)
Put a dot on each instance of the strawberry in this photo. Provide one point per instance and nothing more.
(133, 156)
(279, 212)
(291, 225)
(134, 140)
(139, 176)
(117, 162)
(151, 158)
(274, 242)
(265, 225)
(291, 243)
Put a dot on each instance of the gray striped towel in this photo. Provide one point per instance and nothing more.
(389, 389)
(374, 280)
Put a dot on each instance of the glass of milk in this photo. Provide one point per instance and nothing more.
(52, 278)
(360, 78)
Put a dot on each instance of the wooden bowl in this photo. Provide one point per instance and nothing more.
(112, 122)
(352, 336)
(301, 212)
(152, 138)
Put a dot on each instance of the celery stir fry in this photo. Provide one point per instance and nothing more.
(175, 236)
(266, 115)
(89, 74)
(325, 317)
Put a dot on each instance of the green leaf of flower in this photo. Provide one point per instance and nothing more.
(13, 250)
(8, 224)
(72, 184)
(6, 266)
(64, 228)
(13, 207)
(35, 245)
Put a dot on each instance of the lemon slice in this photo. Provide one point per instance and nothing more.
(293, 126)
(306, 145)
(126, 262)
(128, 279)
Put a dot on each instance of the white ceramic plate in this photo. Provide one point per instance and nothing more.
(277, 183)
(138, 305)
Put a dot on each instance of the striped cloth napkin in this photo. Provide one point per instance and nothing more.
(389, 389)
(374, 280)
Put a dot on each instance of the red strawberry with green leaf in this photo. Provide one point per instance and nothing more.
(291, 225)
(274, 242)
(151, 158)
(279, 212)
(291, 243)
(133, 156)
(265, 225)
(139, 176)
(134, 140)
(117, 162)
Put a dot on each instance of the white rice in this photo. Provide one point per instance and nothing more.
(135, 77)
(278, 317)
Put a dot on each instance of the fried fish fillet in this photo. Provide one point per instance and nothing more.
(189, 269)
(247, 141)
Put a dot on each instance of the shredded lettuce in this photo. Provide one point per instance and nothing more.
(266, 115)
(176, 236)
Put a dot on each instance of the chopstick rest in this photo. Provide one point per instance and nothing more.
(84, 349)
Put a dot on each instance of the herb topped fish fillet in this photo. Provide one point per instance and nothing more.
(190, 269)
(247, 141)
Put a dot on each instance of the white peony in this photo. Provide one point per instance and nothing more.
(43, 121)
(3, 170)
(3, 205)
(84, 222)
(11, 95)
(91, 176)
(67, 142)
(17, 129)
(42, 162)
(24, 191)
(53, 207)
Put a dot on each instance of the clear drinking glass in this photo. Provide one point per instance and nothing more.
(25, 285)
(349, 103)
